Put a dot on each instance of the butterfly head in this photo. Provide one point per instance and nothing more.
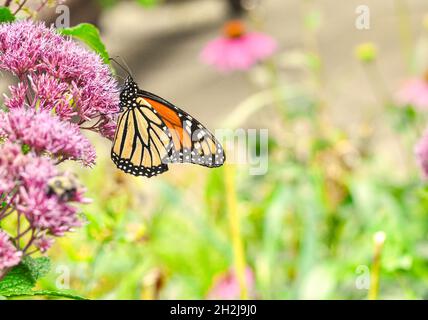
(129, 92)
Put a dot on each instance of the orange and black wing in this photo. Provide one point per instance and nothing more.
(191, 142)
(151, 133)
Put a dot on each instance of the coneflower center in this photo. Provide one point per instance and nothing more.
(426, 76)
(234, 29)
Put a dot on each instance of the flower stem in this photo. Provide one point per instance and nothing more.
(277, 89)
(379, 241)
(30, 242)
(18, 230)
(238, 247)
(21, 234)
(4, 213)
(380, 90)
(3, 273)
(20, 7)
(44, 2)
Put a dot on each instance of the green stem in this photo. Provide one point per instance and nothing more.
(377, 84)
(277, 89)
(49, 293)
(234, 222)
(379, 241)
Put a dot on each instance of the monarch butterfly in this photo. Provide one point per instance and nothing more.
(152, 132)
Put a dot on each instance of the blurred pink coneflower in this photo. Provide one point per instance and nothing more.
(238, 49)
(414, 92)
(226, 286)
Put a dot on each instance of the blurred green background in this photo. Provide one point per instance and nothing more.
(341, 212)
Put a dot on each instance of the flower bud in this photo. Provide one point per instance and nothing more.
(366, 52)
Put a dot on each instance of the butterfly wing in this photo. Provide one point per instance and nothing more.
(191, 142)
(141, 142)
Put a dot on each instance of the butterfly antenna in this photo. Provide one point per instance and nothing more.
(126, 65)
(120, 77)
(126, 68)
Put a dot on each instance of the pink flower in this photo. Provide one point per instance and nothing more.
(2, 121)
(226, 286)
(421, 152)
(238, 49)
(107, 127)
(11, 162)
(9, 256)
(26, 180)
(414, 92)
(43, 210)
(44, 132)
(17, 96)
(43, 243)
(63, 76)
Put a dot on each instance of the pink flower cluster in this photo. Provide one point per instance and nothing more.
(25, 182)
(62, 88)
(43, 132)
(56, 74)
(9, 256)
(29, 176)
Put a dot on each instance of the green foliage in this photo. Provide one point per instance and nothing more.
(21, 280)
(25, 148)
(144, 3)
(90, 35)
(51, 294)
(6, 15)
(148, 3)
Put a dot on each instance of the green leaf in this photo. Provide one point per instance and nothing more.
(90, 35)
(50, 293)
(21, 279)
(25, 148)
(147, 3)
(6, 15)
(105, 4)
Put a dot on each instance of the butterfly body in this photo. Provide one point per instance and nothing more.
(152, 133)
